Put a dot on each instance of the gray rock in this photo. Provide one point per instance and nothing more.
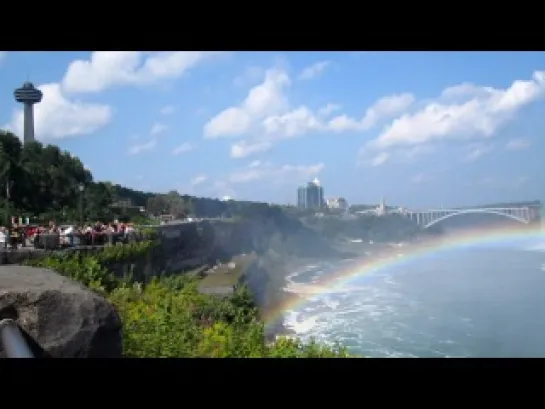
(65, 318)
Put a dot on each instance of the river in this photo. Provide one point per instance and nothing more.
(482, 301)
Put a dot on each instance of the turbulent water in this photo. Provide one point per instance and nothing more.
(481, 302)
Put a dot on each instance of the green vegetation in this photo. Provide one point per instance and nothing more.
(224, 276)
(43, 183)
(169, 317)
(126, 252)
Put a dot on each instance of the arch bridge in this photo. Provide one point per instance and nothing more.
(428, 218)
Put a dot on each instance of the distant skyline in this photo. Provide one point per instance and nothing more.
(422, 129)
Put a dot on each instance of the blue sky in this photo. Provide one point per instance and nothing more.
(422, 129)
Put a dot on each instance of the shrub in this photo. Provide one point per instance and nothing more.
(169, 317)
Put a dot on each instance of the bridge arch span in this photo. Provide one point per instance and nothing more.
(476, 211)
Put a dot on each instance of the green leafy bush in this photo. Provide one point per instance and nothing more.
(125, 252)
(169, 317)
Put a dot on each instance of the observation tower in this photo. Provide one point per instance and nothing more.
(28, 95)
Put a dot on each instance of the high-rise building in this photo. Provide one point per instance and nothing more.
(28, 96)
(302, 197)
(337, 203)
(311, 196)
(382, 209)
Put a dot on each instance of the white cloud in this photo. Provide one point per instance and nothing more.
(291, 124)
(158, 128)
(518, 144)
(414, 152)
(266, 171)
(3, 55)
(383, 108)
(199, 179)
(250, 76)
(409, 155)
(265, 117)
(386, 107)
(107, 69)
(201, 185)
(222, 189)
(462, 112)
(255, 171)
(243, 149)
(380, 159)
(231, 122)
(142, 147)
(183, 148)
(58, 117)
(314, 70)
(167, 110)
(328, 109)
(264, 99)
(476, 151)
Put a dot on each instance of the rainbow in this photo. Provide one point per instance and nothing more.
(398, 257)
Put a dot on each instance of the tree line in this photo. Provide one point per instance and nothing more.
(43, 182)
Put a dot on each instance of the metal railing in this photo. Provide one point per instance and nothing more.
(13, 341)
(49, 241)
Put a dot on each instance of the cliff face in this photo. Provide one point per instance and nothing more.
(191, 244)
(188, 246)
(275, 242)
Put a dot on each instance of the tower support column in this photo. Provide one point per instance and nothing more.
(28, 132)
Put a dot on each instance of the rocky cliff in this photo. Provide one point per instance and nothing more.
(60, 318)
(188, 245)
(275, 242)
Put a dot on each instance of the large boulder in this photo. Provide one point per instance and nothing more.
(65, 318)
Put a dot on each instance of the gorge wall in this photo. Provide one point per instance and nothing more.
(186, 246)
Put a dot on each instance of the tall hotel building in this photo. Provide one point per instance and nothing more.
(311, 196)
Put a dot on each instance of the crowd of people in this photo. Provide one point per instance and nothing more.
(25, 235)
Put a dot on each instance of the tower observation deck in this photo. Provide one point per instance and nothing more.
(28, 95)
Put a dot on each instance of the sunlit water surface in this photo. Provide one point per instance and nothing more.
(480, 302)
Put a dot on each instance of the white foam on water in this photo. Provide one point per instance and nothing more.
(372, 315)
(300, 326)
(331, 303)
